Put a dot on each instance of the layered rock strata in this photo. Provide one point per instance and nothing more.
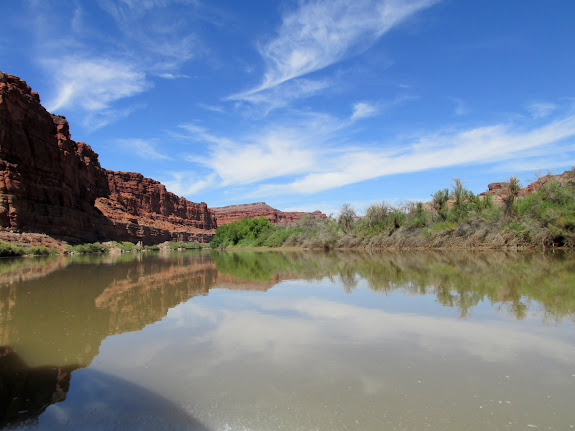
(142, 209)
(52, 184)
(232, 213)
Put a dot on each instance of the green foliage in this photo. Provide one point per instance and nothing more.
(512, 187)
(9, 249)
(463, 201)
(94, 247)
(418, 217)
(544, 218)
(551, 211)
(40, 250)
(127, 246)
(346, 217)
(439, 202)
(180, 245)
(243, 233)
(377, 214)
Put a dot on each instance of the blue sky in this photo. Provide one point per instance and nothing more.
(306, 104)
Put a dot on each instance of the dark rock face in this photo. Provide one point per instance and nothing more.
(54, 185)
(232, 213)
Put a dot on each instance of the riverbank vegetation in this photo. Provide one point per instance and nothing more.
(455, 218)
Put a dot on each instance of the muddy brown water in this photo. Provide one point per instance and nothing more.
(258, 341)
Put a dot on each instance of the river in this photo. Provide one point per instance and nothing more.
(293, 340)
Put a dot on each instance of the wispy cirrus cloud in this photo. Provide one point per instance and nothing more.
(541, 109)
(363, 110)
(188, 183)
(282, 95)
(93, 84)
(100, 68)
(143, 148)
(319, 152)
(158, 29)
(251, 159)
(321, 33)
(481, 145)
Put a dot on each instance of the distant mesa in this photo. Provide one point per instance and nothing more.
(232, 213)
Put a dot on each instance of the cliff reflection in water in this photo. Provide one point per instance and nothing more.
(55, 312)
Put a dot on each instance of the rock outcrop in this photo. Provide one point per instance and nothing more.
(48, 183)
(499, 191)
(52, 184)
(232, 213)
(141, 208)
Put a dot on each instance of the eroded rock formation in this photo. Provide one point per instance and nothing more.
(499, 191)
(232, 213)
(52, 184)
(142, 208)
(48, 182)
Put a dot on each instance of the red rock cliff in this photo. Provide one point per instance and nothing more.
(142, 208)
(54, 185)
(48, 183)
(232, 213)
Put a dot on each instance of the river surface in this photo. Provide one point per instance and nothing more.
(260, 341)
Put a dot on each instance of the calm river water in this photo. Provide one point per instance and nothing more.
(261, 341)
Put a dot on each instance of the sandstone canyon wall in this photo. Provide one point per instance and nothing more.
(54, 185)
(140, 207)
(232, 213)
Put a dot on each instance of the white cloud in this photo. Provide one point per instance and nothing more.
(282, 95)
(93, 84)
(102, 67)
(212, 108)
(363, 110)
(479, 145)
(163, 37)
(187, 183)
(196, 133)
(316, 154)
(172, 75)
(270, 155)
(144, 149)
(541, 109)
(323, 32)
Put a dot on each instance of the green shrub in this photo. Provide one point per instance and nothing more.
(181, 245)
(9, 249)
(86, 248)
(242, 233)
(40, 250)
